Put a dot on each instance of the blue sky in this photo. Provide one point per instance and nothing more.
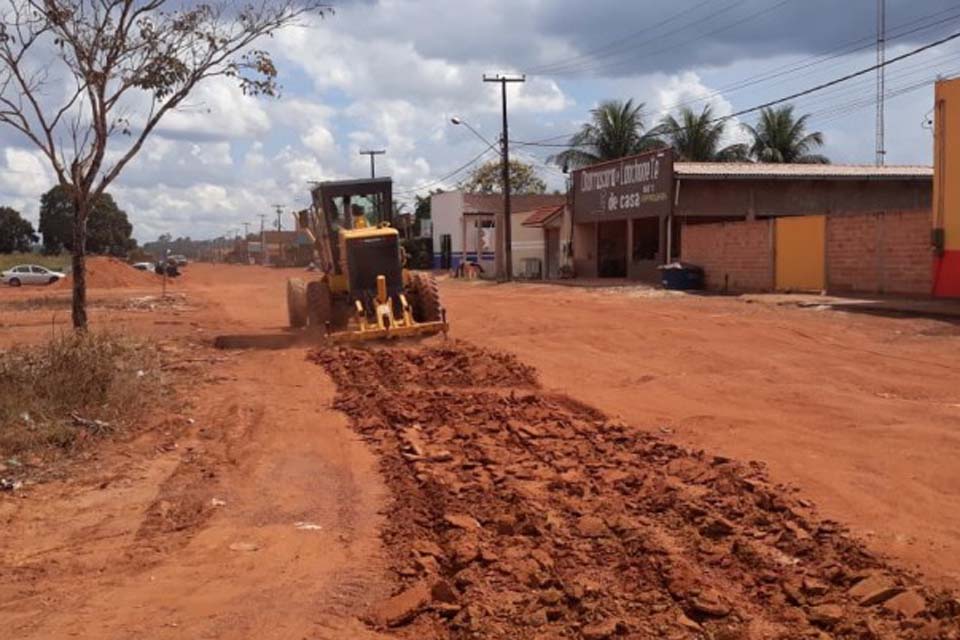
(390, 74)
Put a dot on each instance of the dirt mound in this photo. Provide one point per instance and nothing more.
(453, 364)
(111, 273)
(524, 515)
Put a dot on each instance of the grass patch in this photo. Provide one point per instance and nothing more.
(75, 387)
(59, 263)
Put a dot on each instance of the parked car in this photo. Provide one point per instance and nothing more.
(181, 260)
(30, 274)
(144, 266)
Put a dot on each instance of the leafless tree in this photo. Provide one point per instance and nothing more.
(88, 81)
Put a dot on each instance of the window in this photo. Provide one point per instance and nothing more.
(22, 270)
(37, 269)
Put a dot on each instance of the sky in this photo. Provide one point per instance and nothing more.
(390, 74)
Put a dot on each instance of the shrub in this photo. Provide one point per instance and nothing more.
(75, 385)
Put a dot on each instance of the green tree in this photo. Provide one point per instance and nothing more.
(88, 81)
(779, 136)
(488, 178)
(16, 234)
(108, 228)
(696, 137)
(616, 130)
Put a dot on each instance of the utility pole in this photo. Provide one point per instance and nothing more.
(881, 80)
(263, 242)
(373, 163)
(505, 266)
(279, 210)
(246, 229)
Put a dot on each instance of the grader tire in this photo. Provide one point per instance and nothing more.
(426, 298)
(297, 302)
(319, 304)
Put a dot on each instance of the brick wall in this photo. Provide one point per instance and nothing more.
(882, 252)
(737, 256)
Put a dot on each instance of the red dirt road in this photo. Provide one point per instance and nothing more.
(136, 546)
(861, 413)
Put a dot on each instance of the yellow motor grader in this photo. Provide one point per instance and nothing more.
(362, 289)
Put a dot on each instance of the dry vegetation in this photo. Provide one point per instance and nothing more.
(76, 386)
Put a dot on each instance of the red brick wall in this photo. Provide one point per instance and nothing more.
(737, 256)
(882, 252)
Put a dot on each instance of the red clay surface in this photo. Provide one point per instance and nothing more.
(859, 413)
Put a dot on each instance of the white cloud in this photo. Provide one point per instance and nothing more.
(320, 140)
(217, 109)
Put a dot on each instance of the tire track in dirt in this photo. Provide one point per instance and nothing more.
(522, 514)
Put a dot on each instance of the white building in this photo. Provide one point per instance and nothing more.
(464, 228)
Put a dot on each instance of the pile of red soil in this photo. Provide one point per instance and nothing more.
(111, 273)
(520, 514)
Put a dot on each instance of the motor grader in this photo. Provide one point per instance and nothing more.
(362, 289)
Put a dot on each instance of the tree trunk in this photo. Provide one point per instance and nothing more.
(80, 265)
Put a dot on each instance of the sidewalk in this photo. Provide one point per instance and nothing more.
(925, 307)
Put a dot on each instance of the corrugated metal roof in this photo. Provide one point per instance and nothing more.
(540, 216)
(748, 170)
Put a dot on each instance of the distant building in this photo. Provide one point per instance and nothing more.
(280, 248)
(464, 228)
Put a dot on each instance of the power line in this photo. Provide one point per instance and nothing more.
(938, 20)
(881, 78)
(934, 20)
(805, 92)
(443, 179)
(588, 55)
(658, 52)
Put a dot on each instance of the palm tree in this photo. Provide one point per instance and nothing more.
(779, 136)
(696, 138)
(615, 130)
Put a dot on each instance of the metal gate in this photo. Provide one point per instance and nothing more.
(801, 253)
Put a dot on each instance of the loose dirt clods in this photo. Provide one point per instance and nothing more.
(520, 514)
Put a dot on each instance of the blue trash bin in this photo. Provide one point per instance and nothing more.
(681, 276)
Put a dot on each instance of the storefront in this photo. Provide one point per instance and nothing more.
(621, 216)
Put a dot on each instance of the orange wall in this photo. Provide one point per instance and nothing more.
(946, 186)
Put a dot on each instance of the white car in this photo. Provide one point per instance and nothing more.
(30, 274)
(144, 266)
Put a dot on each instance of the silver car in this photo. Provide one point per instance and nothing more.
(30, 274)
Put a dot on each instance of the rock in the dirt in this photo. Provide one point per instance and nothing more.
(814, 587)
(551, 596)
(462, 521)
(592, 527)
(825, 615)
(687, 623)
(464, 551)
(536, 618)
(717, 527)
(908, 604)
(601, 630)
(428, 548)
(875, 589)
(793, 593)
(710, 603)
(244, 546)
(403, 607)
(442, 591)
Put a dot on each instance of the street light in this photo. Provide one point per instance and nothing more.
(458, 121)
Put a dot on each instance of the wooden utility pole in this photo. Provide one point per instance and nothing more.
(279, 209)
(504, 238)
(264, 260)
(373, 153)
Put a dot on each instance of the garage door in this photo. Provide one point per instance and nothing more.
(801, 253)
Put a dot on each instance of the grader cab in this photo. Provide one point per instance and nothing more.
(362, 290)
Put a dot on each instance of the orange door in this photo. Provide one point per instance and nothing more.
(800, 253)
